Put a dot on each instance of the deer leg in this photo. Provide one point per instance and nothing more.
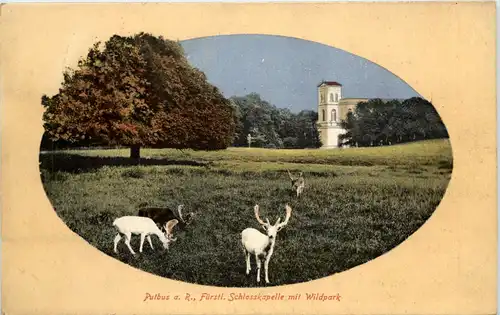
(128, 236)
(258, 267)
(143, 236)
(247, 254)
(266, 268)
(117, 239)
(150, 242)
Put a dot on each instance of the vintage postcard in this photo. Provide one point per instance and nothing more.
(257, 158)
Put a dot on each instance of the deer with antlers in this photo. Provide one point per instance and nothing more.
(161, 215)
(262, 245)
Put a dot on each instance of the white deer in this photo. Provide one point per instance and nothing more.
(145, 227)
(261, 245)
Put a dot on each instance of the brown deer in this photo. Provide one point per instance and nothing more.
(298, 183)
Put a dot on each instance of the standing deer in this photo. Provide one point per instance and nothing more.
(262, 245)
(298, 183)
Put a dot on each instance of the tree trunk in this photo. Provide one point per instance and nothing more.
(135, 152)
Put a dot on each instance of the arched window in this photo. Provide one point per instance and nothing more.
(324, 115)
(331, 97)
(322, 97)
(334, 115)
(336, 97)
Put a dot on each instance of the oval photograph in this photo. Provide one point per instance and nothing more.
(240, 160)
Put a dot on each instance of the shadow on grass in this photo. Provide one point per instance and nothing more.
(73, 163)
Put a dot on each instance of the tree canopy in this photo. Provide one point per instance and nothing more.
(378, 122)
(139, 91)
(273, 127)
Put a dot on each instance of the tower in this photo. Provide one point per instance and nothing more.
(329, 95)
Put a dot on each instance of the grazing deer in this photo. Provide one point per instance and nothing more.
(262, 245)
(298, 183)
(145, 227)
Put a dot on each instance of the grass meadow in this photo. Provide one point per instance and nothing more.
(358, 204)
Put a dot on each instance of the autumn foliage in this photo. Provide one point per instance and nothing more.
(139, 91)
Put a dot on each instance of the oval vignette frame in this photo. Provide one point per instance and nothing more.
(133, 173)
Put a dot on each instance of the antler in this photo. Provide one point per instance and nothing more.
(288, 215)
(179, 209)
(256, 210)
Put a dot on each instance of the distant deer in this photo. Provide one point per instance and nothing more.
(262, 245)
(298, 183)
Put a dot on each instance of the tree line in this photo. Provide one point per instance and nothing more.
(272, 127)
(377, 122)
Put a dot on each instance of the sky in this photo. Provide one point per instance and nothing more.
(285, 71)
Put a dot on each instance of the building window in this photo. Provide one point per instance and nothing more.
(336, 97)
(331, 97)
(324, 115)
(322, 97)
(334, 115)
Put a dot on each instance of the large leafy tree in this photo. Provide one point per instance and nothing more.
(139, 91)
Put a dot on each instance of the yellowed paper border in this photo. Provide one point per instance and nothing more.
(445, 51)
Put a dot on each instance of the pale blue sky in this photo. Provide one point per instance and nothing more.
(285, 71)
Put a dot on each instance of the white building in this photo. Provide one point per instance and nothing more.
(332, 109)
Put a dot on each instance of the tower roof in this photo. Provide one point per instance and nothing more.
(333, 83)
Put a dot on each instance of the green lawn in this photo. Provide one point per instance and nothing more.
(358, 204)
